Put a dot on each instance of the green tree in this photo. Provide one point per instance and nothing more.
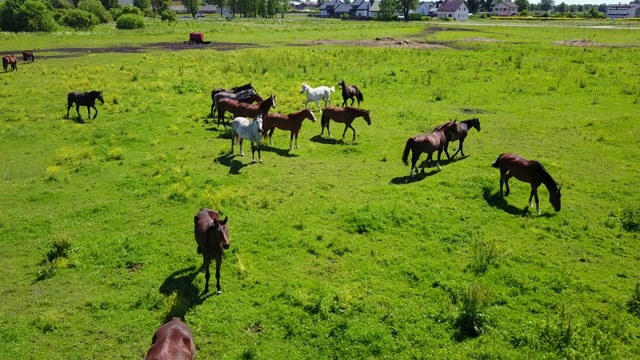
(109, 4)
(143, 5)
(406, 5)
(562, 8)
(522, 5)
(219, 3)
(160, 6)
(79, 19)
(487, 5)
(193, 6)
(546, 5)
(29, 16)
(58, 4)
(388, 9)
(602, 8)
(168, 16)
(95, 7)
(473, 5)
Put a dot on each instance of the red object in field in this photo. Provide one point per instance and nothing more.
(197, 38)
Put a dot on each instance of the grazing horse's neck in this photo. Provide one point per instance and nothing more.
(547, 180)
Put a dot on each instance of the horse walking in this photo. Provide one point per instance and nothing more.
(87, 99)
(460, 133)
(212, 238)
(28, 57)
(10, 60)
(252, 110)
(417, 144)
(291, 122)
(241, 129)
(315, 94)
(529, 171)
(344, 115)
(173, 340)
(350, 92)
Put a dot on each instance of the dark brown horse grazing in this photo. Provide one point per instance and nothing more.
(460, 133)
(224, 105)
(10, 60)
(350, 92)
(529, 171)
(291, 122)
(87, 99)
(172, 341)
(252, 110)
(417, 144)
(212, 239)
(344, 115)
(28, 57)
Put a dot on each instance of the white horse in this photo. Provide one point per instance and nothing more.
(241, 128)
(315, 94)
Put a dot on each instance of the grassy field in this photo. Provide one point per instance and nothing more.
(335, 252)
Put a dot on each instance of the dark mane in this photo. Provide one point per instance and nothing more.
(546, 177)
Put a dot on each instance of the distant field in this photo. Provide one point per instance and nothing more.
(335, 251)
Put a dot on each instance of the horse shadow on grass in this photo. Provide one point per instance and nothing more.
(75, 119)
(419, 176)
(187, 295)
(496, 200)
(280, 152)
(229, 161)
(321, 140)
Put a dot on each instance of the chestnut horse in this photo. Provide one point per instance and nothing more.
(172, 341)
(460, 133)
(417, 144)
(350, 92)
(247, 96)
(212, 238)
(10, 60)
(252, 110)
(28, 57)
(529, 171)
(291, 122)
(224, 105)
(344, 115)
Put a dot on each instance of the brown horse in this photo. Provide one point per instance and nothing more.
(247, 96)
(252, 110)
(28, 57)
(529, 171)
(212, 239)
(10, 60)
(460, 133)
(224, 105)
(417, 144)
(344, 115)
(350, 92)
(291, 122)
(172, 341)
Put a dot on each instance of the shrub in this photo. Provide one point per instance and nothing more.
(115, 13)
(472, 320)
(631, 220)
(132, 10)
(633, 305)
(130, 21)
(29, 16)
(79, 19)
(415, 17)
(95, 7)
(168, 15)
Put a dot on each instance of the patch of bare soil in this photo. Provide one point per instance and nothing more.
(384, 41)
(584, 42)
(479, 39)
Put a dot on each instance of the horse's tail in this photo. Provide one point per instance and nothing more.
(496, 164)
(359, 95)
(332, 89)
(407, 148)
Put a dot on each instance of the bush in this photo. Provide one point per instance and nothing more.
(115, 13)
(168, 15)
(415, 17)
(79, 19)
(95, 7)
(30, 16)
(130, 21)
(132, 10)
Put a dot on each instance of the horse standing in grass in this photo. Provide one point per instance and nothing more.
(246, 96)
(87, 99)
(460, 133)
(172, 341)
(252, 110)
(28, 57)
(291, 122)
(315, 94)
(10, 60)
(529, 171)
(417, 144)
(225, 105)
(241, 128)
(344, 115)
(350, 92)
(212, 238)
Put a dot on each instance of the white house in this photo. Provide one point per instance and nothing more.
(453, 9)
(363, 9)
(328, 7)
(424, 7)
(504, 8)
(621, 11)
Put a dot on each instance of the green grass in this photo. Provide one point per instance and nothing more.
(334, 253)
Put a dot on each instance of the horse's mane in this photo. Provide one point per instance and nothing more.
(470, 121)
(442, 126)
(547, 178)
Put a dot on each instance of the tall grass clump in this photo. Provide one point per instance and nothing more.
(59, 249)
(631, 220)
(633, 305)
(472, 320)
(485, 255)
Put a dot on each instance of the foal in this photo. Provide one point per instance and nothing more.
(529, 171)
(291, 122)
(172, 341)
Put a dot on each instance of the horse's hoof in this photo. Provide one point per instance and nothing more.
(219, 292)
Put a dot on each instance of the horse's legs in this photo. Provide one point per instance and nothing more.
(328, 131)
(460, 149)
(94, 109)
(69, 105)
(259, 155)
(297, 131)
(207, 275)
(415, 156)
(352, 100)
(446, 150)
(240, 142)
(78, 110)
(346, 126)
(354, 132)
(318, 104)
(291, 141)
(233, 140)
(253, 152)
(506, 183)
(534, 193)
(271, 136)
(218, 263)
(438, 161)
